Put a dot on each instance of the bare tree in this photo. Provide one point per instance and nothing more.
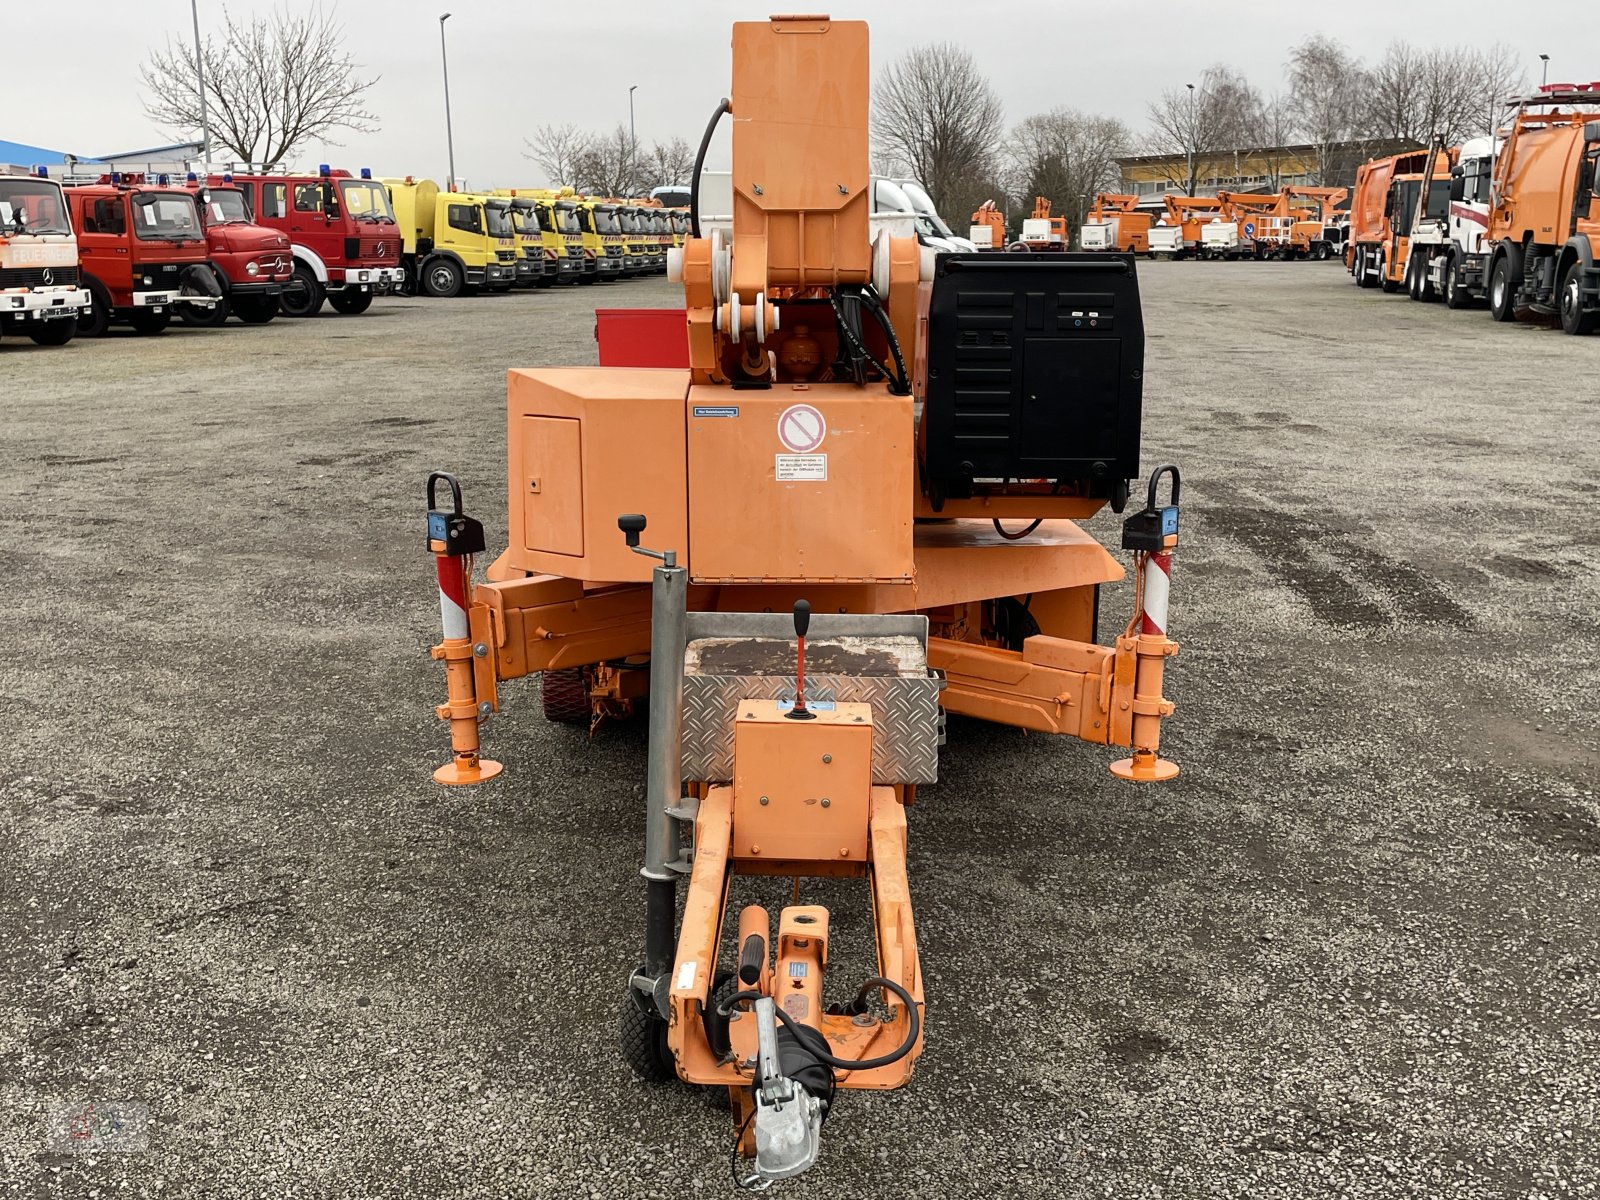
(1198, 128)
(609, 164)
(936, 117)
(557, 149)
(1066, 156)
(272, 84)
(1326, 84)
(669, 162)
(1274, 130)
(1452, 91)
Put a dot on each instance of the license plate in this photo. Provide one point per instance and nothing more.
(55, 314)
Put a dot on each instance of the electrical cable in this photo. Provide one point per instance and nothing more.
(875, 304)
(846, 1064)
(700, 161)
(859, 348)
(1013, 537)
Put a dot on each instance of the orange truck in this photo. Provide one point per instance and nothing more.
(1315, 233)
(1385, 204)
(1544, 213)
(1114, 224)
(1178, 233)
(988, 229)
(1041, 231)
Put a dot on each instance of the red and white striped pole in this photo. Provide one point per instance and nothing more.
(461, 710)
(1151, 648)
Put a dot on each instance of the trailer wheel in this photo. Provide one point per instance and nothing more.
(55, 333)
(564, 695)
(1500, 290)
(1573, 319)
(644, 1041)
(351, 304)
(302, 296)
(147, 323)
(255, 310)
(442, 279)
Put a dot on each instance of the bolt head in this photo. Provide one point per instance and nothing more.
(485, 709)
(480, 651)
(826, 802)
(844, 851)
(827, 758)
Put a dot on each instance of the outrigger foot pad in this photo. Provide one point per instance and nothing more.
(462, 772)
(1144, 767)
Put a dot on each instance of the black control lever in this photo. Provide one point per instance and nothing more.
(632, 525)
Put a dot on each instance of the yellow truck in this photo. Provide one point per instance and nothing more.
(635, 239)
(536, 266)
(451, 242)
(602, 236)
(564, 259)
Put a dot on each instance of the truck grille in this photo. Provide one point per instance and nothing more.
(162, 276)
(384, 250)
(32, 277)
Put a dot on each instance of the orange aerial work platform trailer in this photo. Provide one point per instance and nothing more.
(853, 511)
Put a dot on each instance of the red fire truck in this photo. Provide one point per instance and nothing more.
(251, 263)
(143, 251)
(341, 230)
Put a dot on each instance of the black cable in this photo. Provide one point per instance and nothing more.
(699, 161)
(733, 1156)
(876, 305)
(846, 1064)
(859, 347)
(1012, 537)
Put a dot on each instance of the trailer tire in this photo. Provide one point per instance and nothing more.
(147, 323)
(564, 696)
(442, 278)
(55, 333)
(302, 296)
(255, 310)
(1363, 280)
(643, 1036)
(351, 304)
(1573, 319)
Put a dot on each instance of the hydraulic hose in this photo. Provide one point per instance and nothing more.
(900, 387)
(875, 304)
(723, 106)
(822, 1056)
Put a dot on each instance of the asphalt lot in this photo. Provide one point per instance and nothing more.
(1352, 951)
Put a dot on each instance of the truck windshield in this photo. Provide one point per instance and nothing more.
(165, 216)
(226, 207)
(366, 201)
(1439, 199)
(31, 206)
(923, 203)
(569, 219)
(547, 223)
(497, 220)
(605, 221)
(628, 219)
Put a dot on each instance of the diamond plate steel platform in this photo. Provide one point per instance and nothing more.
(880, 661)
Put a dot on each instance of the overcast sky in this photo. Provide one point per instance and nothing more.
(514, 66)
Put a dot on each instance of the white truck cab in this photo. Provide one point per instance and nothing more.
(40, 296)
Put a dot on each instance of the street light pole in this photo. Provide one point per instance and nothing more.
(1191, 138)
(449, 134)
(200, 82)
(1544, 77)
(632, 136)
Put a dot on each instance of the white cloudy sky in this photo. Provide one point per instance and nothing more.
(515, 65)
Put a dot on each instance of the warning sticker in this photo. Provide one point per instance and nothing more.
(800, 468)
(801, 428)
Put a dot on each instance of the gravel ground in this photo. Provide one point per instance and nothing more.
(1351, 951)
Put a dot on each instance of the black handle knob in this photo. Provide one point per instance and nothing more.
(752, 959)
(802, 617)
(632, 525)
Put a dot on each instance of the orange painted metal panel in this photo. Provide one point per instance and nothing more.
(552, 473)
(806, 483)
(801, 787)
(632, 460)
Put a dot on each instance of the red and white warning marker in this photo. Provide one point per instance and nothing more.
(1157, 586)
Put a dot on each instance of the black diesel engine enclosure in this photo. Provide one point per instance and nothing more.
(1035, 365)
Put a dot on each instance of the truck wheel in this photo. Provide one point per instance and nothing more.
(1455, 294)
(255, 310)
(564, 696)
(94, 321)
(55, 333)
(1363, 280)
(1388, 285)
(442, 278)
(302, 295)
(351, 304)
(208, 318)
(147, 323)
(1573, 319)
(1500, 290)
